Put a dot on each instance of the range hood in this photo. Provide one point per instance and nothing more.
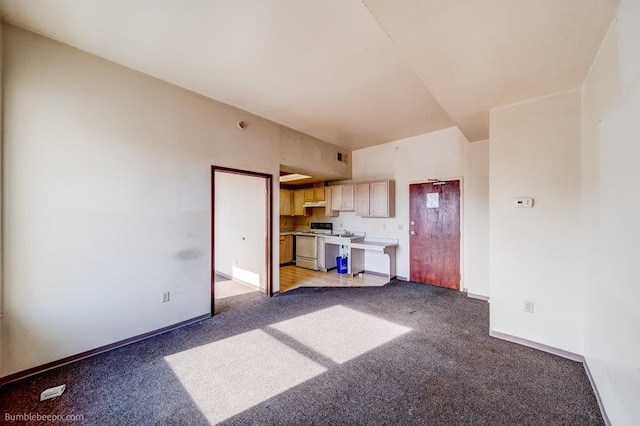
(315, 204)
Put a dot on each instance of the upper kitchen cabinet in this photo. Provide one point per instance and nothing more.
(286, 202)
(298, 203)
(342, 198)
(375, 199)
(328, 207)
(314, 195)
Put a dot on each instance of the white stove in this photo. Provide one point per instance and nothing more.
(307, 244)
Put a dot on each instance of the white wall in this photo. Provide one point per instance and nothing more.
(309, 155)
(107, 198)
(240, 227)
(441, 154)
(611, 180)
(477, 218)
(535, 253)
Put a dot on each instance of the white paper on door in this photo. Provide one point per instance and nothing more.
(433, 200)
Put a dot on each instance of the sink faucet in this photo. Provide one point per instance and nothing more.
(347, 233)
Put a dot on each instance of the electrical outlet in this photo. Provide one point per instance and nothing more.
(528, 306)
(340, 226)
(165, 297)
(384, 226)
(400, 227)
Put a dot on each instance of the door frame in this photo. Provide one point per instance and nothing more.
(268, 178)
(463, 257)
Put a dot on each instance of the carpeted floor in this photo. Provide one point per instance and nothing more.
(400, 354)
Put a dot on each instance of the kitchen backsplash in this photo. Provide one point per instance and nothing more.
(286, 223)
(317, 215)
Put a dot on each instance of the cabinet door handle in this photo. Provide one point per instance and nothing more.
(413, 233)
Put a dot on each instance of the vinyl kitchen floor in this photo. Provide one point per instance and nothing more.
(293, 277)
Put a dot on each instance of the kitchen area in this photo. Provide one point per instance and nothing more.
(315, 251)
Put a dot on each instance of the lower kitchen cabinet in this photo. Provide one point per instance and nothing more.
(286, 249)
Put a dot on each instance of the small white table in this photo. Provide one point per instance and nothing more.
(356, 248)
(386, 246)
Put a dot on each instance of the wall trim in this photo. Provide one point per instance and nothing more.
(560, 352)
(240, 281)
(379, 274)
(478, 296)
(595, 391)
(535, 345)
(229, 277)
(73, 358)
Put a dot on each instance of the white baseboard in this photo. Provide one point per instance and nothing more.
(535, 345)
(595, 391)
(560, 352)
(380, 274)
(229, 277)
(478, 296)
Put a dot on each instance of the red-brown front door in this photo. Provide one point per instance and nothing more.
(434, 219)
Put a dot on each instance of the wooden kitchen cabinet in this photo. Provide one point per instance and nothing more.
(362, 199)
(375, 199)
(298, 203)
(342, 198)
(314, 195)
(286, 249)
(328, 206)
(309, 195)
(286, 202)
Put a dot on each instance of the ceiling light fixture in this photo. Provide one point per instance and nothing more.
(292, 177)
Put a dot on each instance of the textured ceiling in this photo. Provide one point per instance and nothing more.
(354, 74)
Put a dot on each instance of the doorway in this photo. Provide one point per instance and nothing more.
(434, 219)
(241, 229)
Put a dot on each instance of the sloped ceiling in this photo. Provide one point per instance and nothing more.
(475, 55)
(354, 74)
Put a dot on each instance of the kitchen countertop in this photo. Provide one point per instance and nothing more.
(318, 234)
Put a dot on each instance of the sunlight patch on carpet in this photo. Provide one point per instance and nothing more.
(340, 333)
(227, 377)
